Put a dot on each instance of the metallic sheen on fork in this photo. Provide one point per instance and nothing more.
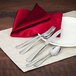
(44, 35)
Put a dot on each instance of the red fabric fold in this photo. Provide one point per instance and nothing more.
(28, 23)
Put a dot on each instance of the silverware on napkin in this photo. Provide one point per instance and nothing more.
(52, 52)
(32, 56)
(45, 35)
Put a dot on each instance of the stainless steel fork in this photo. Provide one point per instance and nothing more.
(44, 35)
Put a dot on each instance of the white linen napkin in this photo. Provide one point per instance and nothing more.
(8, 45)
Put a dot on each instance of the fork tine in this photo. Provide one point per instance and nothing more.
(51, 29)
(49, 33)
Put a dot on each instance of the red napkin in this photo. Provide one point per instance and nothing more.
(28, 23)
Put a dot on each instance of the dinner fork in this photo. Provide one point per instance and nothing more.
(45, 35)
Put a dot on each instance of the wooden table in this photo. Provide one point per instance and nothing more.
(8, 11)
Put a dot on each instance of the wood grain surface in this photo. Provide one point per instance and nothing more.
(8, 10)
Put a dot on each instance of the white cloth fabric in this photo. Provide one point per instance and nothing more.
(8, 45)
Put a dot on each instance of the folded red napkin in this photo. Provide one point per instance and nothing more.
(28, 23)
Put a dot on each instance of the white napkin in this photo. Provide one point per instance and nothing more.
(8, 45)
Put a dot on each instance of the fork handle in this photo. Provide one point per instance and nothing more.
(26, 42)
(29, 46)
(31, 57)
